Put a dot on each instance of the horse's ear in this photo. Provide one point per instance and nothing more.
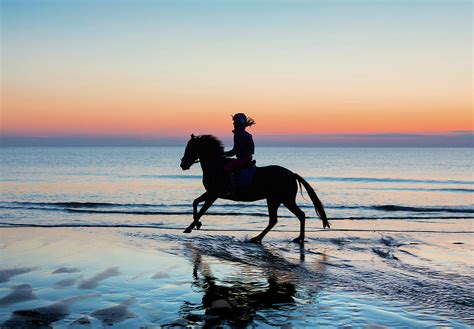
(192, 136)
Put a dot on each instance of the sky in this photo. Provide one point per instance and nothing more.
(103, 69)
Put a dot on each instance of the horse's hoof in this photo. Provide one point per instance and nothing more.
(255, 240)
(198, 225)
(298, 240)
(188, 230)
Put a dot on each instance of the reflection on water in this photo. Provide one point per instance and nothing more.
(240, 295)
(343, 278)
(132, 278)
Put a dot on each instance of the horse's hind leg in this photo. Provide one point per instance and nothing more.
(272, 212)
(293, 207)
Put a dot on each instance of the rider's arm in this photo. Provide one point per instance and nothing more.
(230, 153)
(235, 149)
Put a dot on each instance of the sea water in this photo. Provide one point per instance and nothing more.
(145, 186)
(371, 276)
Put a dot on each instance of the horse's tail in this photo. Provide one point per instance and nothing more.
(318, 205)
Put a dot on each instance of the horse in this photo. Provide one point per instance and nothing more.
(276, 184)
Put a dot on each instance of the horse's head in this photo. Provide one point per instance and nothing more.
(202, 148)
(190, 153)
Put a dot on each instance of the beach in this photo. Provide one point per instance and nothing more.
(374, 274)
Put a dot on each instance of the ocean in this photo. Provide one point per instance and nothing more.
(94, 236)
(91, 185)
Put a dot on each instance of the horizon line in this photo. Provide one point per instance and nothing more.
(457, 139)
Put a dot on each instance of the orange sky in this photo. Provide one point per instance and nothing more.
(309, 69)
(139, 113)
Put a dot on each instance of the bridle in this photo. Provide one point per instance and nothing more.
(188, 162)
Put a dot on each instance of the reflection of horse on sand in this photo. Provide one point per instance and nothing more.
(276, 184)
(236, 298)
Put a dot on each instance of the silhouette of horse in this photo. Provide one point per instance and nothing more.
(234, 301)
(276, 184)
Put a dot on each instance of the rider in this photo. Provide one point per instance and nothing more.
(243, 147)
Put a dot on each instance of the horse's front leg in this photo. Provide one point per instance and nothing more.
(196, 221)
(195, 209)
(208, 201)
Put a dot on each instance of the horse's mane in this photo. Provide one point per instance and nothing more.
(211, 144)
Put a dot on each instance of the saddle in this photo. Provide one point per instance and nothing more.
(244, 176)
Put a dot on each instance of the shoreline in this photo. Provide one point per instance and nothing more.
(459, 225)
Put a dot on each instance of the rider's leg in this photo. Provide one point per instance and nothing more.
(231, 168)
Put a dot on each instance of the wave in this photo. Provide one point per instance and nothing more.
(171, 176)
(390, 180)
(173, 209)
(211, 213)
(164, 227)
(421, 209)
(311, 178)
(418, 189)
(75, 204)
(239, 213)
(342, 179)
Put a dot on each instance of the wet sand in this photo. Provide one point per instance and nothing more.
(361, 273)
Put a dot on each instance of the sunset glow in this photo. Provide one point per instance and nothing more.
(168, 68)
